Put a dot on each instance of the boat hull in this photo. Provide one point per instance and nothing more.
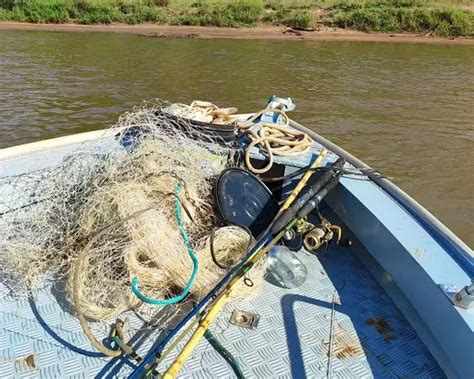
(391, 321)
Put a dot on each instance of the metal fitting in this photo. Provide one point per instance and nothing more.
(315, 238)
(465, 297)
(244, 319)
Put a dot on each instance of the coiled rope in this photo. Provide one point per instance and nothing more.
(205, 111)
(274, 139)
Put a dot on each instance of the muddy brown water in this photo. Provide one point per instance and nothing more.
(405, 109)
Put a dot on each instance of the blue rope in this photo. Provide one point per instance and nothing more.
(192, 255)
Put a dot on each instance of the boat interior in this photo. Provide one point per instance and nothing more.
(366, 308)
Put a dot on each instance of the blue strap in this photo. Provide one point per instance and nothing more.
(192, 255)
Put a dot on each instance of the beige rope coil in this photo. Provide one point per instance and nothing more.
(274, 139)
(208, 112)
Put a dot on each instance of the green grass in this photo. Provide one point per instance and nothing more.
(402, 16)
(441, 17)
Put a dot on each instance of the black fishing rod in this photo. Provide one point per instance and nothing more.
(312, 203)
(212, 310)
(307, 202)
(307, 194)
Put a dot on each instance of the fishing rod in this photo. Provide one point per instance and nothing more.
(267, 235)
(283, 219)
(144, 365)
(302, 212)
(263, 241)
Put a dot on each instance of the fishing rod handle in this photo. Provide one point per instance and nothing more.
(286, 217)
(327, 176)
(316, 200)
(306, 196)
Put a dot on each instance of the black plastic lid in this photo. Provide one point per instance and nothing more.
(244, 200)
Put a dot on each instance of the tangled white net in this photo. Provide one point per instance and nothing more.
(100, 219)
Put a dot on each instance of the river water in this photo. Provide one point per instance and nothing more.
(405, 109)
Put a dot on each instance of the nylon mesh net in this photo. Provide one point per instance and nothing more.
(107, 213)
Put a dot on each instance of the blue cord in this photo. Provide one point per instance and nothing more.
(192, 255)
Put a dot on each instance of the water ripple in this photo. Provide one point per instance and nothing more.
(408, 110)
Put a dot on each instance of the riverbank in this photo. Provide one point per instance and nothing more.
(255, 33)
(441, 18)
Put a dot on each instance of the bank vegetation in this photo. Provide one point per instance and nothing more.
(447, 18)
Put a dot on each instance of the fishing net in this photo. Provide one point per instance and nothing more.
(107, 216)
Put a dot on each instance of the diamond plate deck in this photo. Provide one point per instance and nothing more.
(371, 337)
(40, 339)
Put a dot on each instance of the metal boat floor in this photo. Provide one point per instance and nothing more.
(371, 338)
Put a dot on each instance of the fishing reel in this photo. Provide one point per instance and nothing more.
(292, 239)
(321, 234)
(311, 236)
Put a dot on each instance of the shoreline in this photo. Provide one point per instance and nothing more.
(244, 33)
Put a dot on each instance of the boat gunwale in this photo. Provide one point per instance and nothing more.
(446, 239)
(452, 244)
(31, 148)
